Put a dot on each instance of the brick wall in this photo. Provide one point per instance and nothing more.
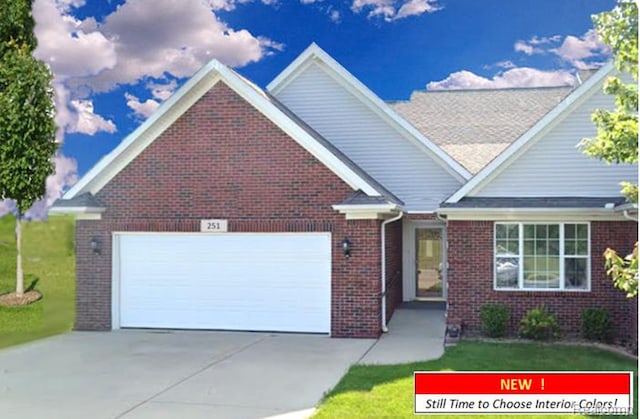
(223, 159)
(471, 281)
(393, 252)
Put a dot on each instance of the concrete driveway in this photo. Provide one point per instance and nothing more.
(151, 374)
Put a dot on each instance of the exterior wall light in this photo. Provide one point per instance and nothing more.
(346, 247)
(96, 245)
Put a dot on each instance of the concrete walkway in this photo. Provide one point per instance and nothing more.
(138, 374)
(415, 334)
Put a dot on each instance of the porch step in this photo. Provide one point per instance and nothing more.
(425, 305)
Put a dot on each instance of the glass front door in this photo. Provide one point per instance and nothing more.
(429, 275)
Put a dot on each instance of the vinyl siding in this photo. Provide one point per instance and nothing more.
(367, 139)
(554, 166)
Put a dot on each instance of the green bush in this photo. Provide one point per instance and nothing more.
(495, 319)
(539, 324)
(596, 325)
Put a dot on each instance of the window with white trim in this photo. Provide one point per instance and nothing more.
(542, 256)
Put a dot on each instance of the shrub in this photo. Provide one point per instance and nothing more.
(539, 324)
(495, 319)
(596, 324)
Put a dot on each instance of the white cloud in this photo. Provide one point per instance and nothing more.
(165, 36)
(310, 1)
(515, 77)
(86, 121)
(577, 51)
(335, 15)
(162, 91)
(583, 52)
(505, 64)
(70, 48)
(524, 47)
(416, 7)
(65, 175)
(394, 10)
(141, 109)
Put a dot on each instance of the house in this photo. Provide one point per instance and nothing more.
(314, 206)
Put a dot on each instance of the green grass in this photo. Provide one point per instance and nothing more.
(49, 264)
(386, 391)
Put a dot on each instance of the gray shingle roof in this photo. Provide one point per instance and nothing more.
(361, 198)
(551, 202)
(84, 200)
(474, 126)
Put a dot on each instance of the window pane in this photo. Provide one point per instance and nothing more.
(554, 247)
(569, 247)
(575, 273)
(501, 247)
(541, 247)
(569, 231)
(512, 231)
(541, 231)
(501, 231)
(582, 248)
(554, 231)
(528, 247)
(512, 247)
(582, 231)
(529, 231)
(507, 272)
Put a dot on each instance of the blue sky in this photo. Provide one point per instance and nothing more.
(114, 61)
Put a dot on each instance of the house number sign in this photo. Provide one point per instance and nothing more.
(213, 226)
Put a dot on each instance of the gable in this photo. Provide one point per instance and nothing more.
(554, 165)
(266, 105)
(324, 100)
(223, 158)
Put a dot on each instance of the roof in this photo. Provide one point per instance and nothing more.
(534, 133)
(187, 95)
(360, 198)
(363, 93)
(474, 126)
(85, 200)
(550, 202)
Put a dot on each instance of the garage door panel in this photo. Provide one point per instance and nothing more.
(229, 281)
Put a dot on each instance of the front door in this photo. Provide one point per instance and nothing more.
(429, 275)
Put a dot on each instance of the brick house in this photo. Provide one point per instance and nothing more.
(314, 206)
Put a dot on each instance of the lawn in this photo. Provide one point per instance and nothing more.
(386, 391)
(49, 265)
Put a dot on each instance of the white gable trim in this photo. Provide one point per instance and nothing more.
(366, 211)
(315, 54)
(533, 135)
(107, 168)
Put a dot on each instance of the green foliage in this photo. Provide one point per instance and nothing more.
(616, 140)
(16, 25)
(27, 129)
(623, 271)
(539, 324)
(596, 324)
(495, 319)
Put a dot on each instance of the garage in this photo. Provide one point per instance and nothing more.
(228, 281)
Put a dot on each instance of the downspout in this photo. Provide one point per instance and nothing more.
(384, 269)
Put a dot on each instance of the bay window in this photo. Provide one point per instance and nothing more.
(541, 256)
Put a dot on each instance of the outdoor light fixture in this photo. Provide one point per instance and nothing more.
(96, 246)
(346, 247)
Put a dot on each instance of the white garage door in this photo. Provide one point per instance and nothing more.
(268, 282)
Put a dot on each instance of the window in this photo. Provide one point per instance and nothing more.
(538, 256)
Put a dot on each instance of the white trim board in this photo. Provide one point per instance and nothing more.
(181, 101)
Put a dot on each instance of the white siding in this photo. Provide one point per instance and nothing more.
(554, 166)
(371, 142)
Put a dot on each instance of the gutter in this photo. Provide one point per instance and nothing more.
(383, 277)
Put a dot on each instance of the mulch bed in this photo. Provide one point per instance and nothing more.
(12, 300)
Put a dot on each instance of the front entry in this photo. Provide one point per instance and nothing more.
(428, 258)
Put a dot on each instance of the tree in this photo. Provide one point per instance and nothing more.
(616, 140)
(27, 128)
